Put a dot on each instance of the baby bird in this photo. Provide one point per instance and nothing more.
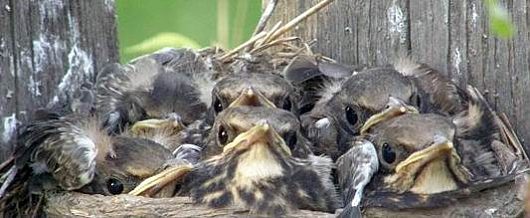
(253, 166)
(426, 158)
(253, 89)
(163, 85)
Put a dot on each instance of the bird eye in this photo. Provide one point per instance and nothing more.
(388, 154)
(287, 104)
(351, 115)
(290, 139)
(306, 108)
(114, 186)
(217, 105)
(416, 99)
(222, 135)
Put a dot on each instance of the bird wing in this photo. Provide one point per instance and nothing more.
(444, 95)
(355, 169)
(315, 79)
(61, 148)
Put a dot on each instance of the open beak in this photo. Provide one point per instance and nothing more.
(419, 158)
(430, 170)
(155, 184)
(261, 134)
(173, 124)
(251, 97)
(395, 107)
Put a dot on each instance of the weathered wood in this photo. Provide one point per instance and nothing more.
(7, 81)
(80, 205)
(451, 35)
(48, 49)
(504, 201)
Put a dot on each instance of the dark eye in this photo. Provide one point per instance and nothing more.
(351, 115)
(114, 186)
(222, 135)
(306, 108)
(287, 104)
(416, 99)
(217, 105)
(290, 139)
(388, 154)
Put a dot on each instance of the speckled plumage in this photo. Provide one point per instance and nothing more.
(79, 155)
(254, 170)
(443, 155)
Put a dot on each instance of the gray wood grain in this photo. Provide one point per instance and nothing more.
(58, 45)
(7, 81)
(451, 35)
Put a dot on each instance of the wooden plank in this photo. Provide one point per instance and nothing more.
(503, 70)
(429, 32)
(520, 69)
(370, 32)
(476, 21)
(29, 87)
(7, 82)
(457, 65)
(59, 45)
(91, 43)
(73, 204)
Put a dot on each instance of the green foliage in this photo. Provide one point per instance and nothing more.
(146, 26)
(500, 22)
(161, 40)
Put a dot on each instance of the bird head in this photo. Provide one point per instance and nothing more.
(174, 94)
(236, 120)
(133, 161)
(395, 107)
(256, 169)
(367, 93)
(253, 89)
(150, 87)
(417, 154)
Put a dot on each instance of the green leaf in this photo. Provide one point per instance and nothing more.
(162, 40)
(500, 22)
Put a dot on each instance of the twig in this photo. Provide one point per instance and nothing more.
(36, 208)
(273, 43)
(300, 18)
(265, 16)
(7, 162)
(512, 137)
(269, 34)
(240, 47)
(274, 35)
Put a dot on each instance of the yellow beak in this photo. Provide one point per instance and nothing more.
(395, 107)
(260, 134)
(175, 125)
(251, 97)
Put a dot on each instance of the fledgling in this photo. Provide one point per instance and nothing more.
(355, 170)
(228, 125)
(314, 79)
(254, 166)
(166, 84)
(252, 89)
(339, 115)
(429, 159)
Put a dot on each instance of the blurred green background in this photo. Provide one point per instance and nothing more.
(146, 26)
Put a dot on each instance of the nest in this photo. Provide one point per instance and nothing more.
(255, 55)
